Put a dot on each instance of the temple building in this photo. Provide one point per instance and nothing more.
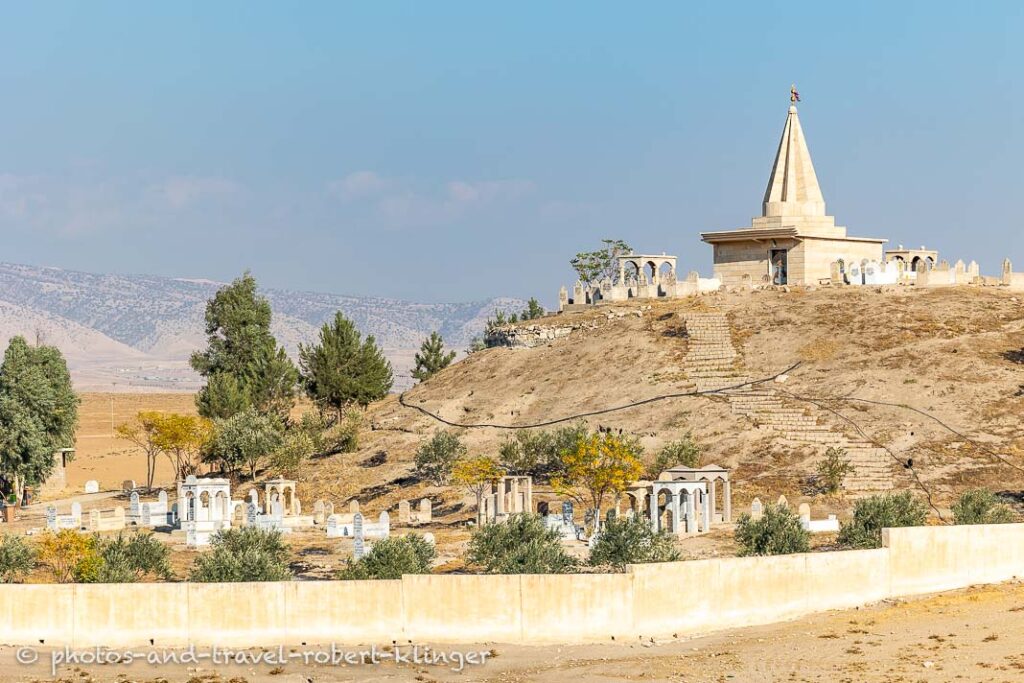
(793, 241)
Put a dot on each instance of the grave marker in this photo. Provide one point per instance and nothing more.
(756, 509)
(51, 518)
(133, 508)
(357, 531)
(92, 486)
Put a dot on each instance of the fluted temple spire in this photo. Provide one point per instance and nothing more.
(793, 187)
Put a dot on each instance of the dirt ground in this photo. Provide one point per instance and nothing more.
(970, 635)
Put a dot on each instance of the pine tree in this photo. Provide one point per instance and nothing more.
(242, 363)
(340, 370)
(431, 358)
(38, 412)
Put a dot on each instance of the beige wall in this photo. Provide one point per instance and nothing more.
(733, 260)
(650, 600)
(820, 254)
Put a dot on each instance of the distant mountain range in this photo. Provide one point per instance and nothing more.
(135, 332)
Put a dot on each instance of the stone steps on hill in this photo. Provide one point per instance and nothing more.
(712, 363)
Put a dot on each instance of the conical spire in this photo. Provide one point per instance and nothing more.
(793, 188)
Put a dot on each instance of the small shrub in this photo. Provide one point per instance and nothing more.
(832, 470)
(129, 559)
(873, 514)
(631, 540)
(295, 448)
(520, 545)
(436, 458)
(684, 452)
(16, 558)
(69, 555)
(390, 558)
(981, 506)
(344, 436)
(246, 554)
(777, 532)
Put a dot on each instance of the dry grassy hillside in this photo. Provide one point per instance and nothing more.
(952, 354)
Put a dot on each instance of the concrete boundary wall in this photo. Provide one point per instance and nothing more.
(654, 600)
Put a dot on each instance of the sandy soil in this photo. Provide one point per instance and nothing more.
(971, 635)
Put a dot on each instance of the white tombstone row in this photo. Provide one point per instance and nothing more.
(344, 526)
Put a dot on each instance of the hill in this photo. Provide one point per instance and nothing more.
(135, 332)
(922, 388)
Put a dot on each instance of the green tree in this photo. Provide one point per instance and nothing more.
(533, 310)
(631, 540)
(431, 358)
(685, 452)
(390, 558)
(871, 515)
(245, 554)
(595, 266)
(16, 558)
(340, 371)
(777, 532)
(245, 439)
(981, 506)
(38, 412)
(242, 363)
(520, 545)
(436, 458)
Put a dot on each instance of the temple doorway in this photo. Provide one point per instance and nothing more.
(779, 267)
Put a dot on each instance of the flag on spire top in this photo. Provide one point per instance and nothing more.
(794, 96)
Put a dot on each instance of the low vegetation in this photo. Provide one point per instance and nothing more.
(981, 506)
(631, 540)
(521, 545)
(871, 515)
(245, 554)
(436, 458)
(17, 558)
(389, 558)
(777, 532)
(832, 470)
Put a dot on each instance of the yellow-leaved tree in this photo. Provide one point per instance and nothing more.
(182, 438)
(475, 475)
(599, 465)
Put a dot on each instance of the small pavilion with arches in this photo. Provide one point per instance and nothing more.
(684, 500)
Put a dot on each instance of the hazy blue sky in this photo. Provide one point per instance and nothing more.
(448, 151)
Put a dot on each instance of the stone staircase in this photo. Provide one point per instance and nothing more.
(712, 363)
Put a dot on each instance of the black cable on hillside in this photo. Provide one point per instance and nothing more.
(593, 413)
(820, 403)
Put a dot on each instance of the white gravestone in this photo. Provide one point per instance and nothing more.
(357, 530)
(92, 486)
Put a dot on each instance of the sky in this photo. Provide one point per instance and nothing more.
(452, 151)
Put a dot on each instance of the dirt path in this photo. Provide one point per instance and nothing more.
(972, 635)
